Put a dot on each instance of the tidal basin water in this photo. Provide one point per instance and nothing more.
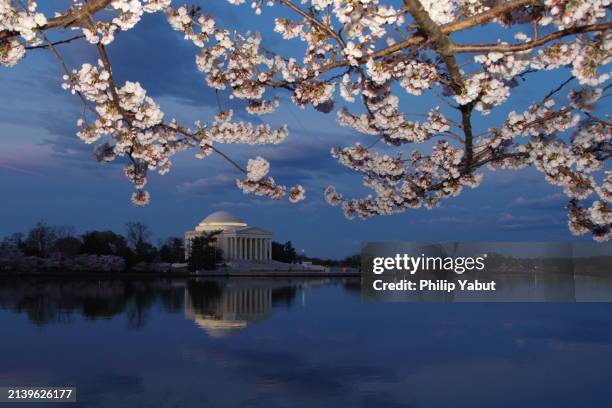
(296, 343)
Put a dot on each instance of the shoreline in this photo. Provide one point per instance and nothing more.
(183, 275)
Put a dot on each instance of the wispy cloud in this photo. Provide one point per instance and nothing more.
(208, 185)
(525, 222)
(18, 169)
(245, 204)
(556, 200)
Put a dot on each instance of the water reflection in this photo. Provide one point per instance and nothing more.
(49, 300)
(216, 305)
(296, 343)
(219, 310)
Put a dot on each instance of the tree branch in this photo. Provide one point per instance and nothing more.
(68, 73)
(184, 131)
(557, 89)
(78, 37)
(530, 44)
(67, 19)
(488, 15)
(444, 46)
(419, 39)
(314, 21)
(111, 80)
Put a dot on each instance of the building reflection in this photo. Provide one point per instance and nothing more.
(233, 308)
(223, 306)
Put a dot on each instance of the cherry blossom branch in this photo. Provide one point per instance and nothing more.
(315, 22)
(465, 48)
(418, 39)
(596, 119)
(111, 80)
(113, 88)
(67, 19)
(184, 131)
(67, 72)
(442, 44)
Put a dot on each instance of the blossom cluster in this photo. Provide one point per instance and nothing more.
(223, 130)
(398, 188)
(266, 187)
(257, 169)
(506, 65)
(440, 11)
(414, 76)
(585, 55)
(569, 164)
(385, 119)
(485, 91)
(258, 183)
(23, 20)
(127, 13)
(566, 13)
(131, 118)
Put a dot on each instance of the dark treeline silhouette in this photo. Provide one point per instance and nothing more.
(59, 247)
(552, 264)
(287, 253)
(204, 255)
(353, 261)
(284, 252)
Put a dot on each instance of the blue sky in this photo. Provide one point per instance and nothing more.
(46, 172)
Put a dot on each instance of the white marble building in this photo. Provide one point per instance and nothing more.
(237, 240)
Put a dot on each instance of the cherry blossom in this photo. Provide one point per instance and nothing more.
(257, 169)
(140, 198)
(297, 193)
(11, 52)
(365, 61)
(24, 22)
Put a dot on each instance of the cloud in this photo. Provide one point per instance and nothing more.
(550, 201)
(212, 184)
(448, 220)
(161, 59)
(525, 222)
(516, 178)
(253, 202)
(7, 166)
(38, 112)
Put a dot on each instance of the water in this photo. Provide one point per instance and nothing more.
(296, 343)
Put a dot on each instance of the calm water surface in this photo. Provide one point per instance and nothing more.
(296, 343)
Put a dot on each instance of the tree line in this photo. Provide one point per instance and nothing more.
(48, 242)
(59, 247)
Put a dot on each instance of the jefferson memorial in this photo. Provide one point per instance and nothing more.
(237, 240)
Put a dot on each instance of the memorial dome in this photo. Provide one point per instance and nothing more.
(220, 220)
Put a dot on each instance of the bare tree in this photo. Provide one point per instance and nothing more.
(16, 240)
(138, 234)
(40, 239)
(65, 231)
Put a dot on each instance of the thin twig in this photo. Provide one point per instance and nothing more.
(557, 89)
(35, 47)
